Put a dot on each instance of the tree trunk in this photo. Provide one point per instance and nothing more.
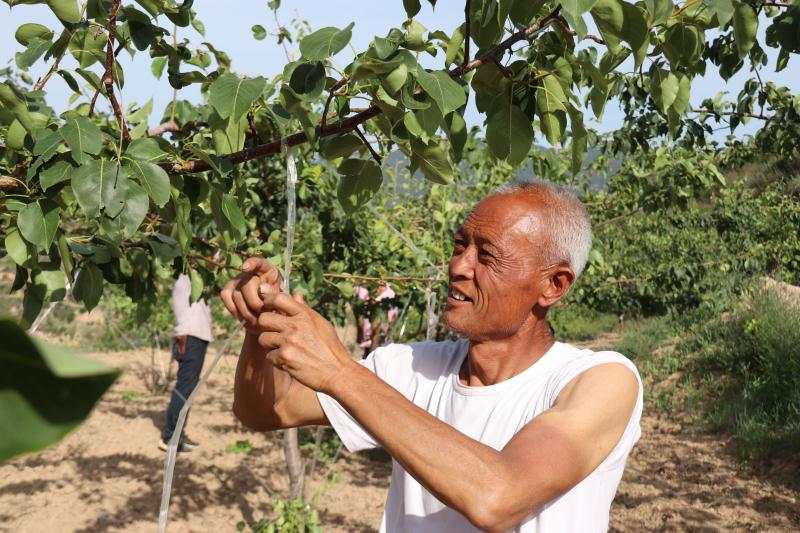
(433, 319)
(294, 462)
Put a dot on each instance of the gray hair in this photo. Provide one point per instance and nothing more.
(566, 220)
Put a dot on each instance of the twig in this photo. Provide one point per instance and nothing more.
(173, 127)
(349, 123)
(336, 86)
(562, 23)
(732, 113)
(43, 80)
(372, 151)
(467, 9)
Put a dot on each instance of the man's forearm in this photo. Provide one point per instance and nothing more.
(258, 388)
(458, 470)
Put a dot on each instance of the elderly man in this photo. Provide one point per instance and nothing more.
(503, 429)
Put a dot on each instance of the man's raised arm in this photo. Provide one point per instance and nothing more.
(265, 397)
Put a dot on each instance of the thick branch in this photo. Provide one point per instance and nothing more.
(350, 123)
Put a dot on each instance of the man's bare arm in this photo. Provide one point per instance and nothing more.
(494, 489)
(266, 398)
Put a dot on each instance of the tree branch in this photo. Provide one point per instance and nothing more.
(350, 123)
(562, 23)
(372, 151)
(731, 113)
(108, 75)
(54, 67)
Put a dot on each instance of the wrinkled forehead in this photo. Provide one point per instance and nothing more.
(506, 217)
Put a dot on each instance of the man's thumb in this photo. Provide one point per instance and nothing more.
(298, 297)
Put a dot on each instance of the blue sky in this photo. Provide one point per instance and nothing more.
(228, 26)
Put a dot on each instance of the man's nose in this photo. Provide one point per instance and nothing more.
(462, 266)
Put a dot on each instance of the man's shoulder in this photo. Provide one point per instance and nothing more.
(575, 361)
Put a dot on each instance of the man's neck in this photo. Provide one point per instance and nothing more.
(493, 361)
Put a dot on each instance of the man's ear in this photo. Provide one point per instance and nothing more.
(557, 280)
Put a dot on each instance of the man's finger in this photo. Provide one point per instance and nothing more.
(270, 340)
(257, 265)
(272, 322)
(227, 298)
(251, 296)
(283, 303)
(242, 308)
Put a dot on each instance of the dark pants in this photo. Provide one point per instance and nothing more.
(190, 364)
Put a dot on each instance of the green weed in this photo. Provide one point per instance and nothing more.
(240, 446)
(579, 323)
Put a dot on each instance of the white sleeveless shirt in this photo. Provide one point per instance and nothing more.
(427, 374)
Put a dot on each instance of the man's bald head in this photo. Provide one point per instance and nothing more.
(556, 215)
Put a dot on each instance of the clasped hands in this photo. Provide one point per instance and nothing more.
(297, 339)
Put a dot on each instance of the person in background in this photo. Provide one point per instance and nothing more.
(190, 340)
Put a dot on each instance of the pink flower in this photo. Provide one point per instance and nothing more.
(366, 333)
(361, 292)
(391, 314)
(385, 292)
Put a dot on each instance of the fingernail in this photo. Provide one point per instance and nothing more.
(263, 289)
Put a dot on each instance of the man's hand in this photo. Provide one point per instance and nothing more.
(242, 296)
(300, 341)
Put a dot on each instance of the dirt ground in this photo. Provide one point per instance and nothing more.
(107, 475)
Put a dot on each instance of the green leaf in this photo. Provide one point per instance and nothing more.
(153, 178)
(157, 66)
(83, 137)
(87, 46)
(146, 149)
(432, 160)
(660, 10)
(575, 8)
(340, 146)
(38, 222)
(384, 47)
(664, 88)
(88, 288)
(196, 284)
(623, 21)
(259, 33)
(395, 80)
(681, 102)
(232, 212)
(47, 145)
(683, 44)
(17, 248)
(46, 391)
(232, 96)
(15, 136)
(26, 32)
(509, 132)
(412, 7)
(65, 10)
(443, 89)
(100, 184)
(578, 145)
(57, 173)
(456, 128)
(325, 42)
(228, 135)
(136, 207)
(455, 46)
(723, 9)
(308, 79)
(32, 53)
(745, 27)
(361, 179)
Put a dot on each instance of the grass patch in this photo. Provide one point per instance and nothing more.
(750, 363)
(579, 323)
(131, 396)
(240, 446)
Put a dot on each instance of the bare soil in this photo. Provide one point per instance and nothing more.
(106, 476)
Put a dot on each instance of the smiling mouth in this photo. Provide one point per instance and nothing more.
(457, 296)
